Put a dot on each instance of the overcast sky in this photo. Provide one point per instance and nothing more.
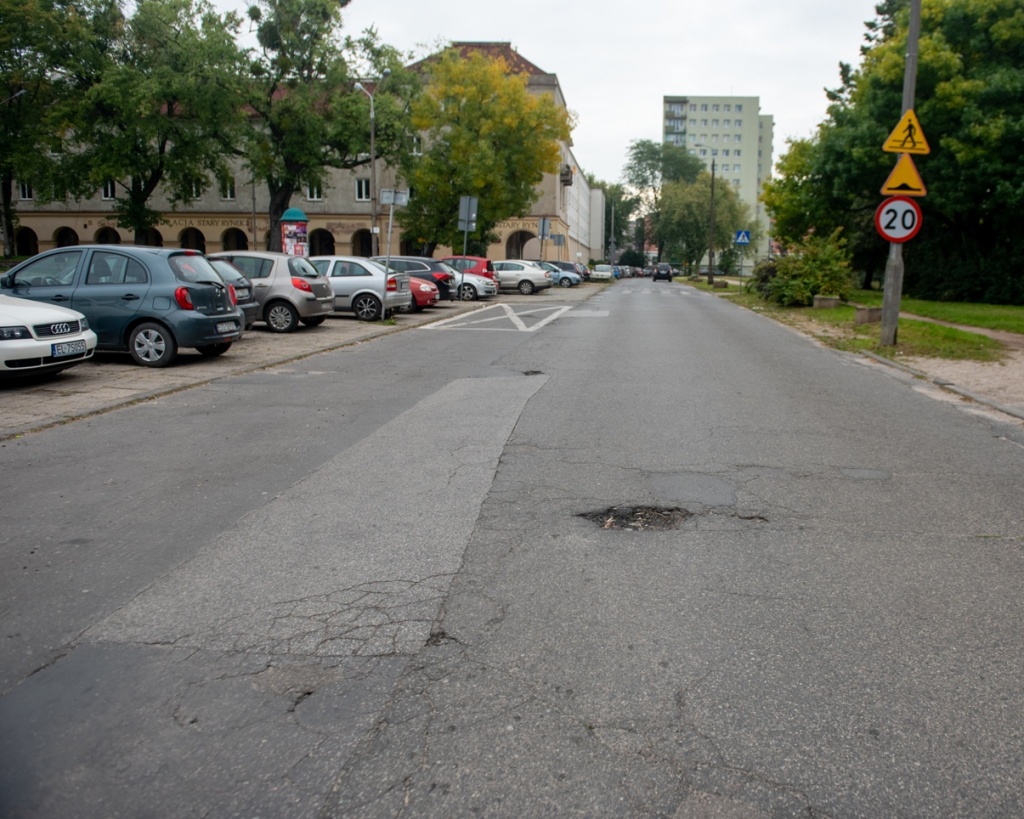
(616, 60)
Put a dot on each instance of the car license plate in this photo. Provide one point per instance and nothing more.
(67, 348)
(226, 327)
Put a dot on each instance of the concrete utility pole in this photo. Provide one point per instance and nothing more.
(894, 265)
(374, 230)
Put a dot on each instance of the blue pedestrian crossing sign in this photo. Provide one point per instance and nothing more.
(743, 237)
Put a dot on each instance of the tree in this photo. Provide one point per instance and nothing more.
(970, 102)
(159, 115)
(685, 224)
(652, 165)
(50, 51)
(485, 135)
(620, 207)
(309, 117)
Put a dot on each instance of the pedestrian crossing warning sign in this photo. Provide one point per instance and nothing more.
(904, 179)
(907, 137)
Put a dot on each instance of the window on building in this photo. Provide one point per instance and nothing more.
(693, 106)
(714, 107)
(109, 191)
(737, 138)
(417, 146)
(703, 151)
(739, 107)
(693, 123)
(714, 123)
(726, 123)
(725, 168)
(736, 152)
(693, 137)
(714, 151)
(714, 137)
(197, 190)
(314, 192)
(25, 191)
(703, 106)
(735, 183)
(739, 123)
(725, 152)
(362, 190)
(227, 188)
(727, 107)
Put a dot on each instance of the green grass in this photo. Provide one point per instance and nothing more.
(990, 316)
(835, 327)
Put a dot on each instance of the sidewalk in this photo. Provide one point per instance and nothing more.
(113, 380)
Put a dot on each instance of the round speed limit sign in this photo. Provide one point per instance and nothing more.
(898, 219)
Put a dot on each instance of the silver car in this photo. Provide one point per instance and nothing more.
(359, 286)
(517, 274)
(472, 287)
(288, 288)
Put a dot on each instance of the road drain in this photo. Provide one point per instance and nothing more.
(636, 518)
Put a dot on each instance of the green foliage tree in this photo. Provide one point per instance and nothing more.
(160, 113)
(970, 102)
(650, 166)
(309, 117)
(685, 224)
(485, 135)
(50, 51)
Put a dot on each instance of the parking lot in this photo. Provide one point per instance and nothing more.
(112, 380)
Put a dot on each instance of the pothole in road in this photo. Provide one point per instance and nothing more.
(638, 518)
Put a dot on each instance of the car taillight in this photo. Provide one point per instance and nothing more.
(301, 284)
(234, 295)
(184, 298)
(392, 285)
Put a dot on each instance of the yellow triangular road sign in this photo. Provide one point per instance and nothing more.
(904, 179)
(907, 137)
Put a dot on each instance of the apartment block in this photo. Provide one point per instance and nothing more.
(734, 134)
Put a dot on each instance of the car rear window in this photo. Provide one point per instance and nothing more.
(193, 268)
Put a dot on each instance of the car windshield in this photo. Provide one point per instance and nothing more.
(191, 267)
(300, 266)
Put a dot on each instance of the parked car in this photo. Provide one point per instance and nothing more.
(563, 274)
(41, 339)
(245, 296)
(359, 285)
(424, 267)
(149, 301)
(662, 271)
(471, 264)
(288, 288)
(602, 273)
(424, 294)
(521, 275)
(471, 287)
(583, 270)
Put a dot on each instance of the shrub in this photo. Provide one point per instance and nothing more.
(816, 265)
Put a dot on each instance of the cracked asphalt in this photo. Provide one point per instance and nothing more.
(359, 584)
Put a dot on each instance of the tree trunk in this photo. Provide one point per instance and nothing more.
(7, 214)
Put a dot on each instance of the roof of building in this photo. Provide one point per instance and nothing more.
(513, 59)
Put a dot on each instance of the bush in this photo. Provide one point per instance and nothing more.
(817, 265)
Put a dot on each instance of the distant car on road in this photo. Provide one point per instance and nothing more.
(41, 339)
(148, 301)
(424, 267)
(359, 285)
(288, 288)
(471, 264)
(662, 271)
(602, 273)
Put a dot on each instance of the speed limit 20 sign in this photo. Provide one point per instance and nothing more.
(898, 219)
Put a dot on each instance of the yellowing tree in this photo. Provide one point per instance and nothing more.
(484, 135)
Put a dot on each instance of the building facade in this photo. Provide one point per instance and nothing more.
(232, 214)
(734, 134)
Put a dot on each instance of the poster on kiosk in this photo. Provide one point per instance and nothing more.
(294, 237)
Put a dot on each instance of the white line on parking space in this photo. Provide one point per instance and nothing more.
(507, 313)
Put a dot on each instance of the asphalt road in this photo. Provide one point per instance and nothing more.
(389, 580)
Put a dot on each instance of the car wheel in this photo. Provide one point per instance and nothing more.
(212, 350)
(565, 281)
(467, 292)
(414, 307)
(281, 317)
(314, 321)
(152, 345)
(526, 287)
(366, 307)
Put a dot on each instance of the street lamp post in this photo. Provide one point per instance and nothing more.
(711, 231)
(373, 159)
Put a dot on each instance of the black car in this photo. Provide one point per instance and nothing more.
(147, 301)
(244, 291)
(662, 271)
(423, 267)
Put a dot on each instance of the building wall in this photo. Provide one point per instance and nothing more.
(734, 133)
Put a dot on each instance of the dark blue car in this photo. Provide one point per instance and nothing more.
(148, 301)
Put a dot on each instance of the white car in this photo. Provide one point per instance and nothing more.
(518, 274)
(41, 338)
(472, 287)
(602, 272)
(359, 287)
